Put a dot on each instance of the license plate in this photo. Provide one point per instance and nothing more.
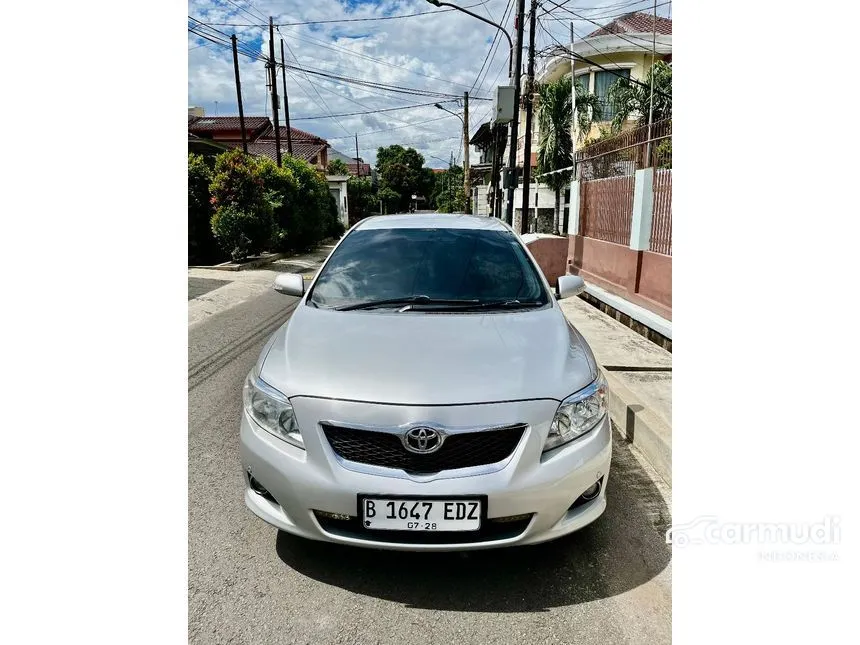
(420, 514)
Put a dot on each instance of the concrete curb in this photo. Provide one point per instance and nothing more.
(253, 264)
(640, 426)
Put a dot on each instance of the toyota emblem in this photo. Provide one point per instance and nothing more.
(422, 441)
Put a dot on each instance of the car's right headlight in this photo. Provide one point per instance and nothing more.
(578, 414)
(271, 410)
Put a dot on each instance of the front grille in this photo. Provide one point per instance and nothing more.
(491, 530)
(462, 450)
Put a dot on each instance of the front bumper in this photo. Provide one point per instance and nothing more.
(542, 487)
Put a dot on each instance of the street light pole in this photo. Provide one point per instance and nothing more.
(514, 76)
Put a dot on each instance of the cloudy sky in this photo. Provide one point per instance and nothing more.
(443, 52)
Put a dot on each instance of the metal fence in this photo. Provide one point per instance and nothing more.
(626, 153)
(606, 208)
(661, 221)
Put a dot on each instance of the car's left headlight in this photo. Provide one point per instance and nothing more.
(271, 410)
(578, 414)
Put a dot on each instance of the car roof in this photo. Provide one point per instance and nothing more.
(432, 220)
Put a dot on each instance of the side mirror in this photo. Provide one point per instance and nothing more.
(290, 284)
(569, 285)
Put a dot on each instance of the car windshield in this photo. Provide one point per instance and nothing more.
(434, 267)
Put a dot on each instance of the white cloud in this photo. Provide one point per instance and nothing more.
(449, 46)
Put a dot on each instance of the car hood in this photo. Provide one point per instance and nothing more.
(416, 358)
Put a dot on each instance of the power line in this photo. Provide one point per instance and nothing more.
(573, 13)
(338, 20)
(493, 45)
(335, 48)
(392, 109)
(399, 127)
(313, 87)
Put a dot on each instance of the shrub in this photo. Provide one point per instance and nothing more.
(242, 222)
(201, 244)
(337, 167)
(282, 191)
(240, 232)
(307, 220)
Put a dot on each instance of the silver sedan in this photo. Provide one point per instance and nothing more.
(427, 393)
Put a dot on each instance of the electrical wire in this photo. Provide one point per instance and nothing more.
(339, 20)
(573, 13)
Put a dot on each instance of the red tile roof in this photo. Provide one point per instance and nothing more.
(297, 135)
(222, 123)
(635, 23)
(302, 150)
(365, 169)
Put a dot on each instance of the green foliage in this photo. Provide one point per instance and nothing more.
(628, 98)
(362, 201)
(242, 222)
(555, 148)
(310, 214)
(588, 110)
(241, 233)
(401, 171)
(448, 195)
(202, 248)
(664, 153)
(337, 167)
(282, 192)
(389, 199)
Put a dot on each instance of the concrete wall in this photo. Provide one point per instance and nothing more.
(550, 253)
(641, 277)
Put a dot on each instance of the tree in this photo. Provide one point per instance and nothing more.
(633, 99)
(337, 167)
(310, 216)
(242, 222)
(401, 172)
(448, 195)
(362, 201)
(588, 110)
(282, 191)
(201, 243)
(555, 148)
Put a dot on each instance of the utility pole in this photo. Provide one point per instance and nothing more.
(274, 76)
(494, 172)
(467, 182)
(239, 95)
(527, 148)
(567, 214)
(651, 99)
(512, 153)
(286, 102)
(357, 159)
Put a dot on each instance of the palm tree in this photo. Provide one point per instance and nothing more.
(555, 148)
(628, 98)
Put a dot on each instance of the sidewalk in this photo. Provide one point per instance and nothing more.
(640, 381)
(211, 291)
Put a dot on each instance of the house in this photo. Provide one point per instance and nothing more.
(214, 134)
(619, 48)
(481, 172)
(365, 169)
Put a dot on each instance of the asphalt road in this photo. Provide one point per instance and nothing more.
(609, 583)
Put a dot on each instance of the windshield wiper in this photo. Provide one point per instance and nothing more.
(510, 303)
(408, 300)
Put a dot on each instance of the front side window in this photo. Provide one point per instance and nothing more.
(439, 263)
